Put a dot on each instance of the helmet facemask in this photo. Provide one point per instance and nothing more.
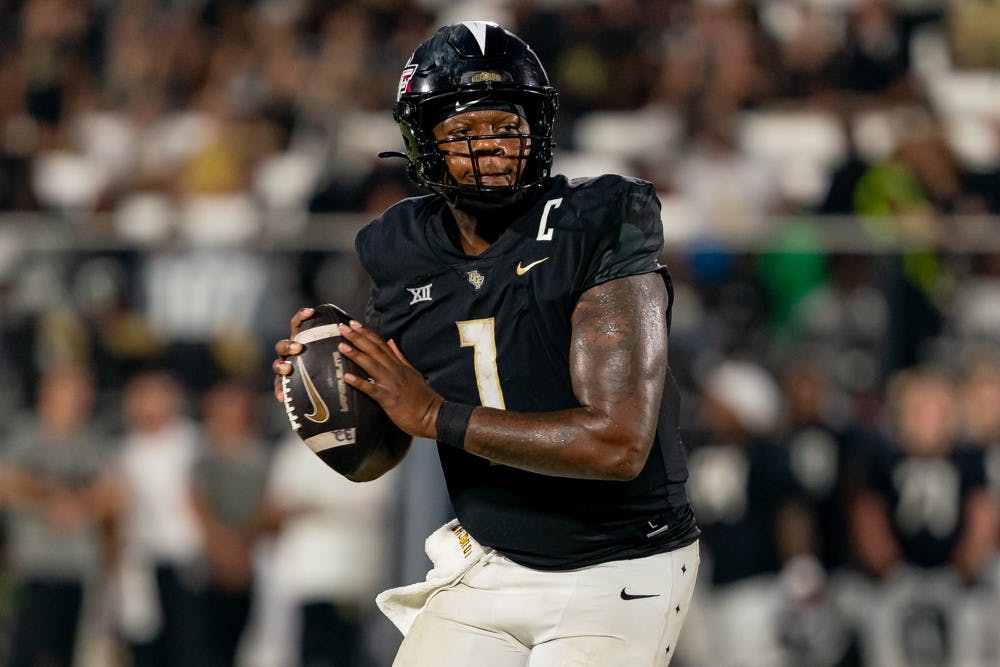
(450, 74)
(533, 151)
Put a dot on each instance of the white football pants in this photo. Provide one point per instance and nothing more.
(500, 614)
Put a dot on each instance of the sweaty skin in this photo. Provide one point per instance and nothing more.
(618, 353)
(496, 158)
(618, 359)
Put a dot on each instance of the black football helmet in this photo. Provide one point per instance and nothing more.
(475, 64)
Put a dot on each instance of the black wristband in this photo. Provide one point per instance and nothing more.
(452, 421)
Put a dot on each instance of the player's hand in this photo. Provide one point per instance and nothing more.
(392, 382)
(285, 348)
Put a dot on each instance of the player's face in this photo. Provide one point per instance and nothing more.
(496, 140)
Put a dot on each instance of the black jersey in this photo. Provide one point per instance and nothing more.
(926, 498)
(820, 462)
(738, 492)
(494, 330)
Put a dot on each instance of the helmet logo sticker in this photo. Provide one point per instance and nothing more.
(404, 79)
(478, 30)
(462, 107)
(480, 77)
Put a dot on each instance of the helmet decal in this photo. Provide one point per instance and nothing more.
(404, 79)
(479, 77)
(478, 30)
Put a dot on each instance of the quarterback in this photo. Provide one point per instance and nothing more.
(520, 319)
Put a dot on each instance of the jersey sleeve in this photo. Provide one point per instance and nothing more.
(377, 259)
(363, 242)
(373, 316)
(368, 257)
(632, 241)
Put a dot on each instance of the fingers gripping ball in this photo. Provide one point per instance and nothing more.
(339, 423)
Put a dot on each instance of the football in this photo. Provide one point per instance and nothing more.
(339, 423)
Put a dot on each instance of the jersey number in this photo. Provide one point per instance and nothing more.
(929, 497)
(480, 336)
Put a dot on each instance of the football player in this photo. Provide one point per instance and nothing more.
(520, 320)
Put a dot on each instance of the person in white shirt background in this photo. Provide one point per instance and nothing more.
(160, 573)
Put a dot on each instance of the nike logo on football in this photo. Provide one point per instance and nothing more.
(459, 107)
(320, 412)
(521, 270)
(629, 596)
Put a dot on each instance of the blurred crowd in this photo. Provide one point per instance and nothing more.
(248, 112)
(173, 176)
(145, 545)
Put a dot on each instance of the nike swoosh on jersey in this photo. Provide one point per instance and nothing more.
(459, 107)
(629, 596)
(320, 412)
(521, 270)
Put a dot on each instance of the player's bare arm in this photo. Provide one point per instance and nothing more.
(386, 455)
(618, 360)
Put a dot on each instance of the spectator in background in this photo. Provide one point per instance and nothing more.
(924, 523)
(62, 504)
(161, 571)
(818, 458)
(753, 515)
(331, 553)
(53, 34)
(974, 311)
(807, 43)
(823, 457)
(228, 486)
(904, 198)
(979, 401)
(876, 58)
(712, 52)
(847, 318)
(741, 208)
(974, 26)
(922, 177)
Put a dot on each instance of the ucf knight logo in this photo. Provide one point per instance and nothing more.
(476, 279)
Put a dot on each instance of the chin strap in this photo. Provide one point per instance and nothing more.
(492, 204)
(476, 202)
